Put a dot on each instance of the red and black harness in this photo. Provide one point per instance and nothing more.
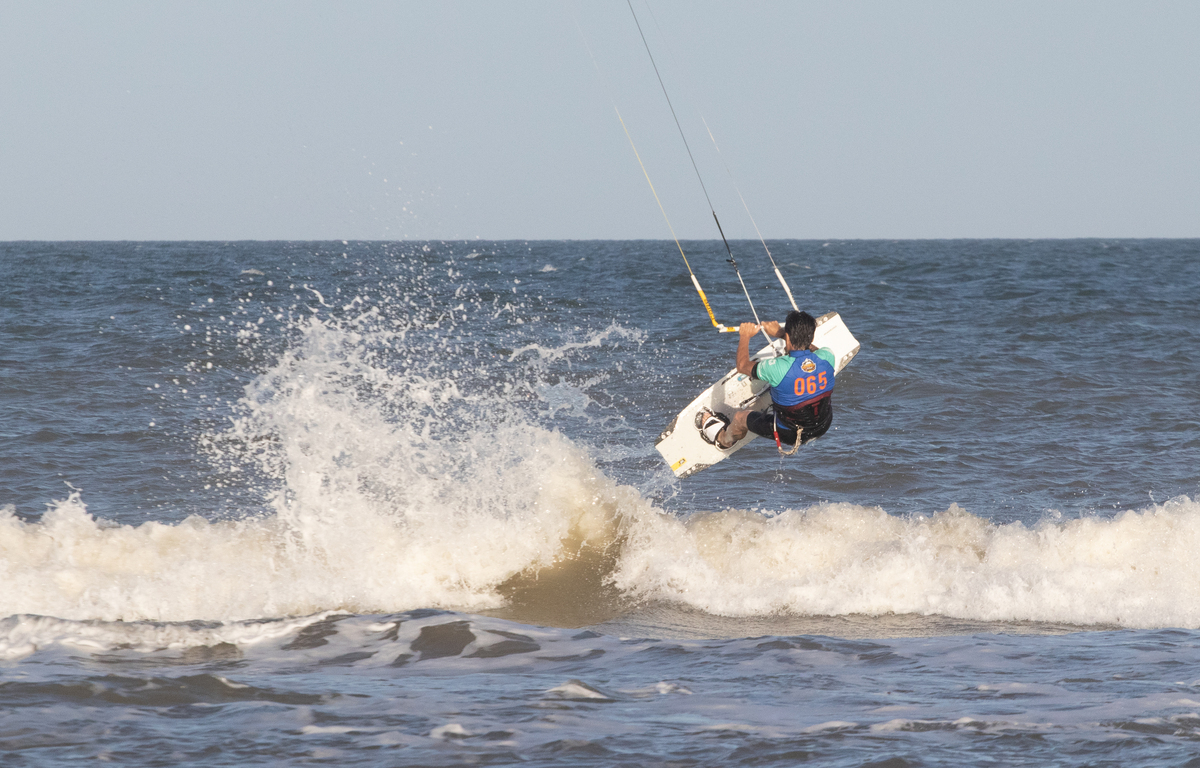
(791, 417)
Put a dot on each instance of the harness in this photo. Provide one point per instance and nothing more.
(776, 419)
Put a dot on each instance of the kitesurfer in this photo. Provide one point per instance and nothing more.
(801, 383)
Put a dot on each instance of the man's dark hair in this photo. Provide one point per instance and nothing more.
(800, 327)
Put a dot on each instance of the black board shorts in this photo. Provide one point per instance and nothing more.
(763, 425)
(814, 424)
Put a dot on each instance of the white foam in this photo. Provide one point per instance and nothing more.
(1137, 569)
(449, 731)
(664, 688)
(832, 725)
(331, 544)
(577, 690)
(21, 636)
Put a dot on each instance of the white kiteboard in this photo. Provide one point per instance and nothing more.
(681, 445)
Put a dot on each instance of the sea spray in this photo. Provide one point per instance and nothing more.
(394, 478)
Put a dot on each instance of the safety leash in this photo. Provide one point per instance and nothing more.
(779, 443)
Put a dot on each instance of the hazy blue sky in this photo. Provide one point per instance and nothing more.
(414, 120)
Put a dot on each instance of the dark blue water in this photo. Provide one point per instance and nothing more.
(241, 481)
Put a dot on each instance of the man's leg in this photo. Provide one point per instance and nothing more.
(735, 431)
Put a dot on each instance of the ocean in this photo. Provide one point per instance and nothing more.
(398, 503)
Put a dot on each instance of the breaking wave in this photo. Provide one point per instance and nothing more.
(403, 472)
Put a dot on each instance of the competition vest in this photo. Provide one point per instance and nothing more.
(809, 380)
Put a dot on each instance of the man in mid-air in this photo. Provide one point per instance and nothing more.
(801, 383)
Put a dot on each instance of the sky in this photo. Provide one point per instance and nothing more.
(376, 120)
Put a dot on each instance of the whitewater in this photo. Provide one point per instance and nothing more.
(286, 459)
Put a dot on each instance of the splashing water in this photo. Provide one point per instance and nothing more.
(400, 481)
(406, 449)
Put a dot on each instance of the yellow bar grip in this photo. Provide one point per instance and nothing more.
(695, 282)
(711, 316)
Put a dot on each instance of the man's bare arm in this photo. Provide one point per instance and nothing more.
(745, 332)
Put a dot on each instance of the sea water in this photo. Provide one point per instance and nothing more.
(398, 504)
